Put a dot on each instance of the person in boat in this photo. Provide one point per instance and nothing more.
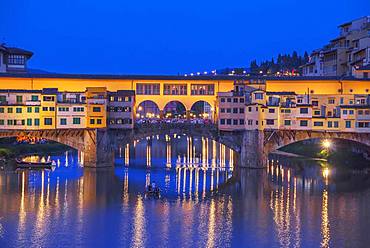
(149, 188)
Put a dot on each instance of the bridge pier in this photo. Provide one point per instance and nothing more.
(252, 154)
(98, 151)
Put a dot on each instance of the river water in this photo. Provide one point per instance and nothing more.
(206, 201)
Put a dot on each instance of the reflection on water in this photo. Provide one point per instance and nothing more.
(284, 205)
(181, 165)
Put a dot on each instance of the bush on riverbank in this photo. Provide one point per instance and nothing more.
(339, 156)
(10, 149)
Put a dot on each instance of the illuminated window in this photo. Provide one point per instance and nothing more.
(147, 89)
(175, 89)
(16, 59)
(203, 89)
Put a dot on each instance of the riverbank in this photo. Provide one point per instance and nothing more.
(9, 149)
(338, 155)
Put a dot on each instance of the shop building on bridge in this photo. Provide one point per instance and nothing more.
(289, 110)
(121, 109)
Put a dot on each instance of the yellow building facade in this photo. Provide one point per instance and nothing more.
(318, 102)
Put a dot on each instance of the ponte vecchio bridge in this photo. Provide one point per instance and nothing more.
(253, 147)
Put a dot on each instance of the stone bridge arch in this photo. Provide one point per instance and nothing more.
(231, 140)
(276, 139)
(92, 142)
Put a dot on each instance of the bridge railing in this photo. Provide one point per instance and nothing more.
(185, 125)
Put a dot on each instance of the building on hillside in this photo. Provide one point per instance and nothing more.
(121, 109)
(349, 51)
(13, 59)
(363, 71)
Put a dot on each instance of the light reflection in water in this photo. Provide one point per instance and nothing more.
(287, 220)
(138, 239)
(281, 205)
(325, 225)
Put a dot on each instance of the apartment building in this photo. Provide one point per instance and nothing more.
(20, 109)
(231, 106)
(344, 54)
(48, 112)
(300, 109)
(120, 109)
(71, 110)
(13, 59)
(96, 104)
(363, 72)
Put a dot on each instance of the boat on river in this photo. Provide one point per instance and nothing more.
(21, 164)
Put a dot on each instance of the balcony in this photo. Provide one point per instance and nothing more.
(96, 101)
(71, 101)
(33, 103)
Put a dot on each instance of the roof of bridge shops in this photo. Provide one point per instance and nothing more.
(174, 77)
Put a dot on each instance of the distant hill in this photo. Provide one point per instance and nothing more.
(284, 64)
(38, 71)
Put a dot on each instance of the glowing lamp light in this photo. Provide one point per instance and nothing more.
(325, 172)
(326, 144)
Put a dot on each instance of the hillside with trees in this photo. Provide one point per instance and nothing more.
(284, 64)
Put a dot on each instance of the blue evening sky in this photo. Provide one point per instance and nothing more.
(168, 37)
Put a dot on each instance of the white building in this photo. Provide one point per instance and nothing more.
(13, 59)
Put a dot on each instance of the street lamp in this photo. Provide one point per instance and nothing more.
(326, 144)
